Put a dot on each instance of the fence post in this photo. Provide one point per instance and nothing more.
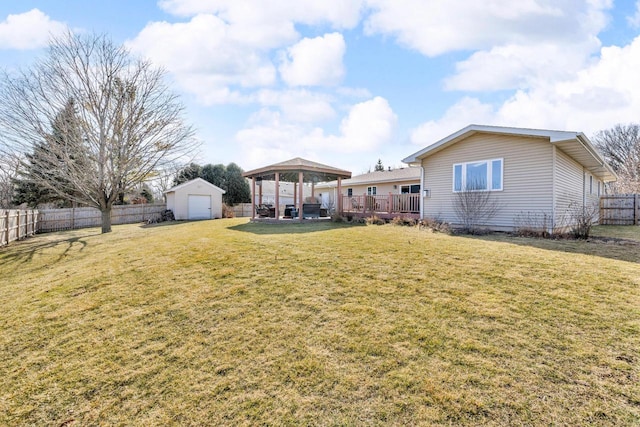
(6, 223)
(636, 209)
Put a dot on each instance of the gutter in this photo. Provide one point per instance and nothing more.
(595, 155)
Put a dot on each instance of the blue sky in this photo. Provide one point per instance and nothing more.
(346, 82)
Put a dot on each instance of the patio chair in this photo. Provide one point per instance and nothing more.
(265, 211)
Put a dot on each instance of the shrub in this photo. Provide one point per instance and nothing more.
(435, 225)
(227, 211)
(581, 219)
(375, 220)
(404, 221)
(533, 224)
(475, 208)
(336, 217)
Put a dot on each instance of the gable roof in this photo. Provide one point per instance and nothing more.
(377, 177)
(289, 169)
(575, 144)
(198, 180)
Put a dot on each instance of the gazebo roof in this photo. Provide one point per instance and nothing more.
(289, 170)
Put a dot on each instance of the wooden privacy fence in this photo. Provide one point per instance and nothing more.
(72, 218)
(16, 224)
(242, 210)
(620, 210)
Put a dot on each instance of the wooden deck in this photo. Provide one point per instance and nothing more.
(386, 207)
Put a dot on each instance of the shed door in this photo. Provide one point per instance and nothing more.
(199, 207)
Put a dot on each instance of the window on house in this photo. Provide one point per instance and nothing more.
(349, 192)
(410, 189)
(598, 188)
(590, 184)
(484, 175)
(371, 191)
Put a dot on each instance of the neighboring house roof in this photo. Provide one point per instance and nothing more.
(393, 175)
(575, 144)
(199, 180)
(288, 169)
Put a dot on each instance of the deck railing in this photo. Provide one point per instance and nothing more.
(380, 204)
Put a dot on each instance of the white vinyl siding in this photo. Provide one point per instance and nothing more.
(527, 176)
(569, 182)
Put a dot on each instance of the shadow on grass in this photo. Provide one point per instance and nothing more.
(164, 224)
(23, 251)
(290, 227)
(600, 246)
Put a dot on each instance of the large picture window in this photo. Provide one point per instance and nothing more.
(483, 175)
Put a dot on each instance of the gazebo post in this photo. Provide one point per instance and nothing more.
(339, 195)
(295, 193)
(260, 191)
(253, 197)
(301, 194)
(277, 196)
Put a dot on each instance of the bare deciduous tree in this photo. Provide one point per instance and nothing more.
(8, 175)
(620, 145)
(475, 208)
(124, 125)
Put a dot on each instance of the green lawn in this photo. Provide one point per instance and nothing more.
(230, 323)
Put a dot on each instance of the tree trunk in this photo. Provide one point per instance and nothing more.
(106, 220)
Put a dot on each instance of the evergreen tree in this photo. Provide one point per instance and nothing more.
(379, 166)
(237, 188)
(192, 171)
(43, 176)
(215, 174)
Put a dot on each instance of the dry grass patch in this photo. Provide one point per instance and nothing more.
(225, 322)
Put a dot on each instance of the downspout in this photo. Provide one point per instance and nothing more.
(421, 191)
(553, 191)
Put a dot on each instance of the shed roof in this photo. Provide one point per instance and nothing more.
(289, 169)
(193, 181)
(575, 144)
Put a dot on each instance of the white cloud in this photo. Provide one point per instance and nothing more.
(465, 112)
(368, 126)
(518, 66)
(207, 56)
(29, 30)
(300, 106)
(634, 20)
(437, 28)
(338, 13)
(597, 97)
(314, 62)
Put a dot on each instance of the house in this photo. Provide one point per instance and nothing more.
(379, 183)
(287, 191)
(387, 194)
(195, 199)
(530, 173)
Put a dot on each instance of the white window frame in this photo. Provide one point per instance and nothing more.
(372, 191)
(489, 181)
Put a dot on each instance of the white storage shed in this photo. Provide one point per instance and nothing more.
(195, 199)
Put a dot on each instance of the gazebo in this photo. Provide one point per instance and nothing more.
(297, 171)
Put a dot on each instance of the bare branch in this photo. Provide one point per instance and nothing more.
(124, 124)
